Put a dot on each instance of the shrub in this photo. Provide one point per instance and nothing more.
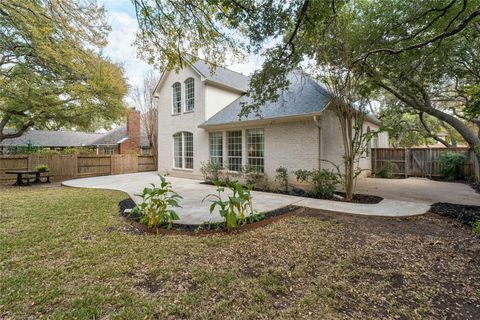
(281, 178)
(452, 165)
(252, 175)
(42, 168)
(236, 208)
(81, 150)
(157, 203)
(323, 181)
(211, 171)
(388, 169)
(476, 226)
(46, 152)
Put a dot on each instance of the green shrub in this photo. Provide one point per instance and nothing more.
(78, 150)
(452, 165)
(157, 203)
(236, 209)
(46, 152)
(476, 226)
(211, 171)
(42, 168)
(323, 181)
(252, 175)
(388, 169)
(281, 178)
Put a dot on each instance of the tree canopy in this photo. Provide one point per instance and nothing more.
(52, 72)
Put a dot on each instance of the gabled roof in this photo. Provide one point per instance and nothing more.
(118, 135)
(303, 97)
(221, 76)
(47, 138)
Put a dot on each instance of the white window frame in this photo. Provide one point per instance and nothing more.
(218, 135)
(189, 85)
(252, 159)
(229, 157)
(110, 152)
(177, 103)
(185, 155)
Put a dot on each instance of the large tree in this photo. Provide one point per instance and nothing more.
(52, 72)
(424, 54)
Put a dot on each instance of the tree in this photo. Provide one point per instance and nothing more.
(52, 72)
(423, 54)
(145, 103)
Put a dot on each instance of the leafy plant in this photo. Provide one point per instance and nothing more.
(81, 150)
(46, 152)
(476, 226)
(42, 168)
(252, 175)
(388, 169)
(211, 171)
(323, 181)
(237, 206)
(452, 165)
(157, 203)
(281, 177)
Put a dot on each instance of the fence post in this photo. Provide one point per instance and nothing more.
(430, 162)
(406, 157)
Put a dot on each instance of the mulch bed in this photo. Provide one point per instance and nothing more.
(357, 198)
(205, 228)
(468, 215)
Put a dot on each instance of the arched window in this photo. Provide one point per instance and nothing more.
(189, 94)
(176, 98)
(183, 150)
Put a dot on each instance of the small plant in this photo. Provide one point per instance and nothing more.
(388, 169)
(42, 168)
(452, 165)
(236, 208)
(323, 181)
(157, 203)
(252, 175)
(211, 171)
(476, 226)
(281, 178)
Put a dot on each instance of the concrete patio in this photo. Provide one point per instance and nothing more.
(194, 211)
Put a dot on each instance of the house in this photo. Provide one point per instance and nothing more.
(127, 138)
(198, 122)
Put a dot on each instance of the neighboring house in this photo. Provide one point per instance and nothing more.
(127, 138)
(198, 121)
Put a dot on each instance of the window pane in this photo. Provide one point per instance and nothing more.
(216, 147)
(255, 148)
(177, 150)
(189, 94)
(177, 97)
(188, 148)
(234, 146)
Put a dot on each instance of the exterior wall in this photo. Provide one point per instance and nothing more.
(169, 124)
(216, 99)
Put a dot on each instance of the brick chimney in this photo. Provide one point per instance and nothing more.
(133, 132)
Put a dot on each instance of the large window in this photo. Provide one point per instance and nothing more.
(176, 98)
(256, 148)
(216, 147)
(183, 150)
(234, 147)
(189, 94)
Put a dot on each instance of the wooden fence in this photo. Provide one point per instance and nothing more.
(418, 162)
(77, 166)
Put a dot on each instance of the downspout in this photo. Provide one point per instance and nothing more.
(316, 119)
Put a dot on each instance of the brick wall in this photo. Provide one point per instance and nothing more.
(132, 144)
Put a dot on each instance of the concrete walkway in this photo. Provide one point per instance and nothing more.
(194, 211)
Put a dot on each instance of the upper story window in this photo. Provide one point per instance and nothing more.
(183, 150)
(189, 94)
(176, 98)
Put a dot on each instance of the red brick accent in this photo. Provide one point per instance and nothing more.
(132, 144)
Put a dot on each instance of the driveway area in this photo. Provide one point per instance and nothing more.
(419, 189)
(196, 211)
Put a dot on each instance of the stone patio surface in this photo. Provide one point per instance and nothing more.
(196, 211)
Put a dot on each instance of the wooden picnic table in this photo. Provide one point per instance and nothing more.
(20, 177)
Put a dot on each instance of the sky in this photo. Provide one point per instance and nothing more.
(120, 49)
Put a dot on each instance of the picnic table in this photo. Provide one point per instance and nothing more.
(20, 176)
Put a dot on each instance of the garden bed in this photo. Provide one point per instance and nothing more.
(205, 228)
(339, 196)
(468, 215)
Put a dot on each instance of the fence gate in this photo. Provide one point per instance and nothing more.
(419, 160)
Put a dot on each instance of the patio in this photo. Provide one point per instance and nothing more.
(194, 211)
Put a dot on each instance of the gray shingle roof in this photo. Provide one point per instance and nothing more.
(223, 76)
(115, 135)
(304, 96)
(46, 138)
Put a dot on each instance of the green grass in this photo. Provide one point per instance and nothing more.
(65, 253)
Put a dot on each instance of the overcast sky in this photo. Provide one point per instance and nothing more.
(121, 17)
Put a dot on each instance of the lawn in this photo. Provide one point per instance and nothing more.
(65, 253)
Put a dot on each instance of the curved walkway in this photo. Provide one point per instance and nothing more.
(194, 211)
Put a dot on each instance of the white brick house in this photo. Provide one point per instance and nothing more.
(198, 121)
